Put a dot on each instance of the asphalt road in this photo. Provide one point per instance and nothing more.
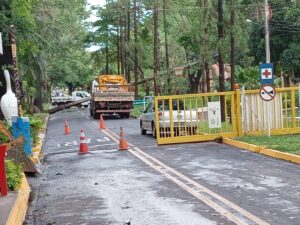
(187, 184)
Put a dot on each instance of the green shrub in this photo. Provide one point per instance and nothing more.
(3, 138)
(36, 124)
(14, 174)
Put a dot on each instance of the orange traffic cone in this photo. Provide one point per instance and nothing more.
(67, 128)
(123, 145)
(102, 125)
(84, 148)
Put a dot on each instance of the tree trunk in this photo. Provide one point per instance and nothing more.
(136, 63)
(127, 58)
(220, 58)
(232, 46)
(207, 77)
(106, 58)
(118, 49)
(122, 43)
(167, 48)
(155, 47)
(194, 81)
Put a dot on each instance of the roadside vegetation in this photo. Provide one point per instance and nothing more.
(14, 174)
(37, 124)
(284, 143)
(137, 111)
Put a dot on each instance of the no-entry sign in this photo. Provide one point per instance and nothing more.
(267, 92)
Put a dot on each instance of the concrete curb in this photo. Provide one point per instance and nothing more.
(36, 151)
(18, 212)
(264, 151)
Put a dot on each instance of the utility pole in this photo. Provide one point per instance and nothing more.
(268, 60)
(267, 36)
(232, 45)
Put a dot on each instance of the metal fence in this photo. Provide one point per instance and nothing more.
(208, 116)
(279, 116)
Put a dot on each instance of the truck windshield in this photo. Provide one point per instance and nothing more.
(176, 104)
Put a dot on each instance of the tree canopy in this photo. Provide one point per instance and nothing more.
(141, 38)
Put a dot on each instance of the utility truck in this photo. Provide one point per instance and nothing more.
(58, 98)
(111, 95)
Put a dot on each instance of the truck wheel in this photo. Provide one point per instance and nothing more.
(96, 115)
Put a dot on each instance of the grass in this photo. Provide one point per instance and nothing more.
(284, 143)
(137, 111)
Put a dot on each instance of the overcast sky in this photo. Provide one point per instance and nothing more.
(93, 17)
(96, 2)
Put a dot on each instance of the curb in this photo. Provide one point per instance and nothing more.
(36, 151)
(264, 151)
(18, 212)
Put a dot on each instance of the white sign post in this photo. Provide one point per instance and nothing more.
(1, 47)
(214, 115)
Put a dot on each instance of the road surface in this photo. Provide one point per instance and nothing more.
(187, 184)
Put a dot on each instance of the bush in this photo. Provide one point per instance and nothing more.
(3, 138)
(14, 174)
(36, 124)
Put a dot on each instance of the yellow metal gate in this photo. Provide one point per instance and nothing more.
(208, 116)
(197, 117)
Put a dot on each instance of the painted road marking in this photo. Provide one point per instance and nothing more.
(220, 204)
(102, 139)
(72, 150)
(59, 146)
(75, 143)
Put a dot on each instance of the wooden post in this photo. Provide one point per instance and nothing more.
(15, 66)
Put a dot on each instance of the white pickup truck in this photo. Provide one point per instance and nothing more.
(184, 120)
(59, 98)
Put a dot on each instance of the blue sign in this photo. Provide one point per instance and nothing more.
(266, 71)
(21, 127)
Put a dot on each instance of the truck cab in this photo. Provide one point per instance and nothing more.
(77, 95)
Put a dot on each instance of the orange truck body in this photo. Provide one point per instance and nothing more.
(111, 95)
